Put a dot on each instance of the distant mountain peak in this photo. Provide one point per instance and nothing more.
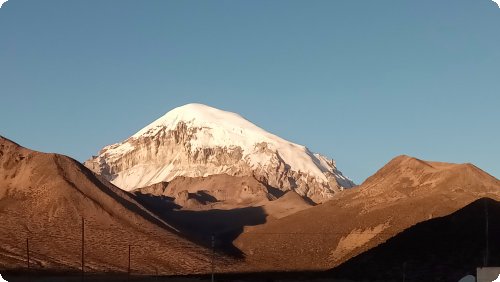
(408, 161)
(410, 170)
(198, 140)
(198, 114)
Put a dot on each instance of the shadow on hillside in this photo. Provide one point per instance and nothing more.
(225, 225)
(157, 203)
(199, 226)
(100, 183)
(441, 249)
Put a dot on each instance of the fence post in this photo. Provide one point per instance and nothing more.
(213, 257)
(128, 271)
(486, 233)
(83, 249)
(28, 251)
(404, 271)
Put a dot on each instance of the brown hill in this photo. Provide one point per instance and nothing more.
(403, 193)
(441, 249)
(286, 205)
(220, 191)
(43, 198)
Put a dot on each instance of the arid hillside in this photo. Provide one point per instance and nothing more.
(43, 199)
(441, 249)
(220, 205)
(403, 193)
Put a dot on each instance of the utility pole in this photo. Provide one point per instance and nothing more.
(404, 271)
(28, 252)
(213, 257)
(83, 249)
(128, 263)
(486, 255)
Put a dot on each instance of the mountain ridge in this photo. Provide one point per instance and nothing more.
(197, 140)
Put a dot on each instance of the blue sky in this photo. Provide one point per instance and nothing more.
(359, 81)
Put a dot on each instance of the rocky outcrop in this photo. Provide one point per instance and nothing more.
(219, 191)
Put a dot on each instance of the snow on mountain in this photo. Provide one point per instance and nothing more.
(197, 140)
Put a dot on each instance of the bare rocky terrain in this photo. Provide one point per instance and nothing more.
(403, 193)
(220, 191)
(43, 198)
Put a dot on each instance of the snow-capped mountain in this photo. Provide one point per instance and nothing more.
(197, 140)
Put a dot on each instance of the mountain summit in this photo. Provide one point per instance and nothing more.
(197, 140)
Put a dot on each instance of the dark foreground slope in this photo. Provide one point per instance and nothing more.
(43, 198)
(441, 249)
(403, 193)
